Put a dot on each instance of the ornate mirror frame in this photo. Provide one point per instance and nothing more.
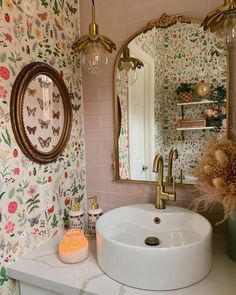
(21, 112)
(164, 21)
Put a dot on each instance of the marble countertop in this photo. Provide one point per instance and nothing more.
(43, 268)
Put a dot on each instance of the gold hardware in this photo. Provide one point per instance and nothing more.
(166, 21)
(161, 195)
(113, 165)
(157, 220)
(127, 62)
(222, 16)
(75, 205)
(173, 153)
(84, 42)
(94, 205)
(161, 22)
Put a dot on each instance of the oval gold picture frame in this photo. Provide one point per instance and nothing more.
(41, 112)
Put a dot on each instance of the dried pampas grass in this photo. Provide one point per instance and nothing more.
(216, 173)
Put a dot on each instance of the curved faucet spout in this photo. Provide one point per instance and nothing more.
(161, 195)
(173, 153)
(158, 167)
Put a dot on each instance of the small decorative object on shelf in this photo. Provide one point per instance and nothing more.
(185, 92)
(203, 89)
(215, 116)
(219, 94)
(191, 123)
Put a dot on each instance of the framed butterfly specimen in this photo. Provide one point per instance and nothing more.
(41, 112)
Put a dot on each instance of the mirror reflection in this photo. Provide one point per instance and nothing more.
(175, 98)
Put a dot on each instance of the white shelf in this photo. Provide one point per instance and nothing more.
(205, 101)
(195, 128)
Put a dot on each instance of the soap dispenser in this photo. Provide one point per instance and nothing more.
(94, 213)
(76, 216)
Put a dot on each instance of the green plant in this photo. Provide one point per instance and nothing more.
(185, 87)
(219, 94)
(3, 275)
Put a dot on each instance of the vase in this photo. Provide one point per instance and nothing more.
(232, 236)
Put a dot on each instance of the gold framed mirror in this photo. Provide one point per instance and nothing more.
(41, 113)
(151, 114)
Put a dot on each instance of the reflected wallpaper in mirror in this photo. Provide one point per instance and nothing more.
(151, 115)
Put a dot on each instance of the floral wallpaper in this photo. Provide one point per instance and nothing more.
(123, 140)
(36, 30)
(174, 49)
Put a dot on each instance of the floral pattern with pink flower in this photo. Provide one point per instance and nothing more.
(8, 37)
(4, 73)
(9, 227)
(3, 92)
(16, 171)
(32, 190)
(12, 207)
(27, 37)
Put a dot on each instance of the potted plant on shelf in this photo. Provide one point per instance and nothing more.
(216, 181)
(219, 94)
(185, 92)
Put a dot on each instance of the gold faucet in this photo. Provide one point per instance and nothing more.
(173, 152)
(161, 195)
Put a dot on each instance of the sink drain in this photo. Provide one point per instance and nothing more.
(152, 241)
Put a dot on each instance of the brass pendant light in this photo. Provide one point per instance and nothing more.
(222, 20)
(94, 48)
(127, 68)
(127, 62)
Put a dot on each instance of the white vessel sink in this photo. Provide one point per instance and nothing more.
(183, 256)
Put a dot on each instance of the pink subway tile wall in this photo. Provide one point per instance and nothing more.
(118, 20)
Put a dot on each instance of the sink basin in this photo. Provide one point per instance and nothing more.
(182, 257)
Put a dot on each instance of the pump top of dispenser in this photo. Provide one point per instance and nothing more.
(75, 205)
(94, 204)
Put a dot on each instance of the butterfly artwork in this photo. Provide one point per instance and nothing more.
(75, 107)
(31, 111)
(31, 92)
(44, 104)
(43, 16)
(44, 84)
(44, 143)
(43, 232)
(44, 124)
(56, 97)
(31, 130)
(12, 248)
(56, 115)
(34, 220)
(4, 116)
(56, 131)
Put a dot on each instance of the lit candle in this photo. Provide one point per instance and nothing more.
(73, 247)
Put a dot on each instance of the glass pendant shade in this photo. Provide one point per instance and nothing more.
(94, 59)
(127, 77)
(226, 29)
(222, 21)
(127, 68)
(94, 48)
